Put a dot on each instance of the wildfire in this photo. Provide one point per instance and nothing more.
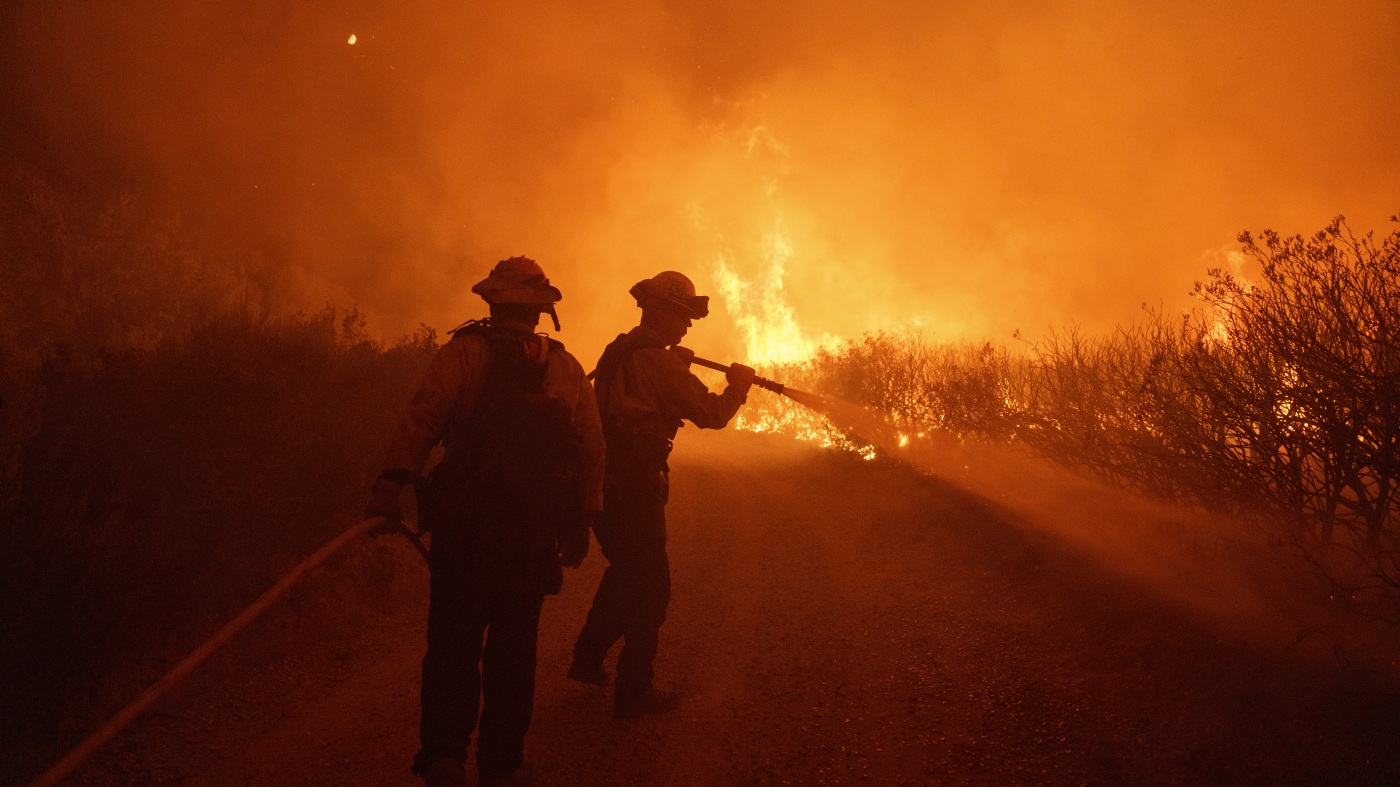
(774, 340)
(779, 416)
(1219, 330)
(760, 308)
(750, 280)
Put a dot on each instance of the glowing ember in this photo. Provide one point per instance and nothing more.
(779, 416)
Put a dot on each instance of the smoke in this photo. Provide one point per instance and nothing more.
(971, 168)
(1214, 565)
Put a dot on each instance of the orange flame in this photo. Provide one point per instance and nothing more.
(759, 306)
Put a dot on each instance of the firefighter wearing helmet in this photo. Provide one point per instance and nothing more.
(511, 502)
(645, 391)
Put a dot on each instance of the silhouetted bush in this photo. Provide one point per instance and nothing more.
(165, 487)
(167, 450)
(1278, 400)
(1304, 382)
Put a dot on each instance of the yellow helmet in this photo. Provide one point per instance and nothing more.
(673, 289)
(518, 280)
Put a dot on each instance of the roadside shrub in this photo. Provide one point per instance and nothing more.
(1277, 399)
(164, 488)
(1305, 381)
(169, 447)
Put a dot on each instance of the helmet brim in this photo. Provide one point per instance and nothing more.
(533, 290)
(695, 306)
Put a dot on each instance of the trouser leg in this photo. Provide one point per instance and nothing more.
(451, 688)
(605, 622)
(508, 680)
(636, 589)
(641, 635)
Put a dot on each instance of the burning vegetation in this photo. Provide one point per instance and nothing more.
(1278, 400)
(182, 194)
(162, 424)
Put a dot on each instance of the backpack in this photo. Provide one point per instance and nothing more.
(509, 485)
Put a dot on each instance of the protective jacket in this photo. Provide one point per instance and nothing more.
(523, 446)
(644, 392)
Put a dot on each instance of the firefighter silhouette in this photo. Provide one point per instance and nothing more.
(512, 501)
(645, 391)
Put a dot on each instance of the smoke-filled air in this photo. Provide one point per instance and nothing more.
(965, 168)
(1045, 429)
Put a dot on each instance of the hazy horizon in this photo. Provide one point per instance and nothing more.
(966, 169)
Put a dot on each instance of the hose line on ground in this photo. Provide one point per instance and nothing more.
(221, 637)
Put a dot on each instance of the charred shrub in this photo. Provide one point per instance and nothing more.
(163, 488)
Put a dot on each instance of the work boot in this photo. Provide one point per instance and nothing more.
(524, 776)
(445, 772)
(648, 703)
(588, 673)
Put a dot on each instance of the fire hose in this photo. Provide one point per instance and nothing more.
(761, 382)
(221, 637)
(819, 403)
(253, 611)
(691, 358)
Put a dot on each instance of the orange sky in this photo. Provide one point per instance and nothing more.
(969, 167)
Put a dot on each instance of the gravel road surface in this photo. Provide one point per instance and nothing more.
(834, 621)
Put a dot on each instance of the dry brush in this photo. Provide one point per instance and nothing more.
(1277, 400)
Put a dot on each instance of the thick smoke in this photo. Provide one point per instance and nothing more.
(969, 167)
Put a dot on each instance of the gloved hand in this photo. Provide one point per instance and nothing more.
(573, 547)
(740, 376)
(384, 501)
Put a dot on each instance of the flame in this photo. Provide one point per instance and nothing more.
(779, 416)
(774, 339)
(759, 306)
(1219, 330)
(750, 280)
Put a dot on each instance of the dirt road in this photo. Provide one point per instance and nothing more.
(839, 621)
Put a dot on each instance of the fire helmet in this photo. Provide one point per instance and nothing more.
(517, 280)
(673, 289)
(520, 280)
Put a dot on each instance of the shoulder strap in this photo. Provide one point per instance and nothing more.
(617, 353)
(471, 326)
(492, 335)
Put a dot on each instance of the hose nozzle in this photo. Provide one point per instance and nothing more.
(690, 357)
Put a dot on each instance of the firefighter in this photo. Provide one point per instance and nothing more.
(645, 390)
(512, 500)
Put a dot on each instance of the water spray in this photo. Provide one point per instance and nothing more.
(835, 409)
(854, 421)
